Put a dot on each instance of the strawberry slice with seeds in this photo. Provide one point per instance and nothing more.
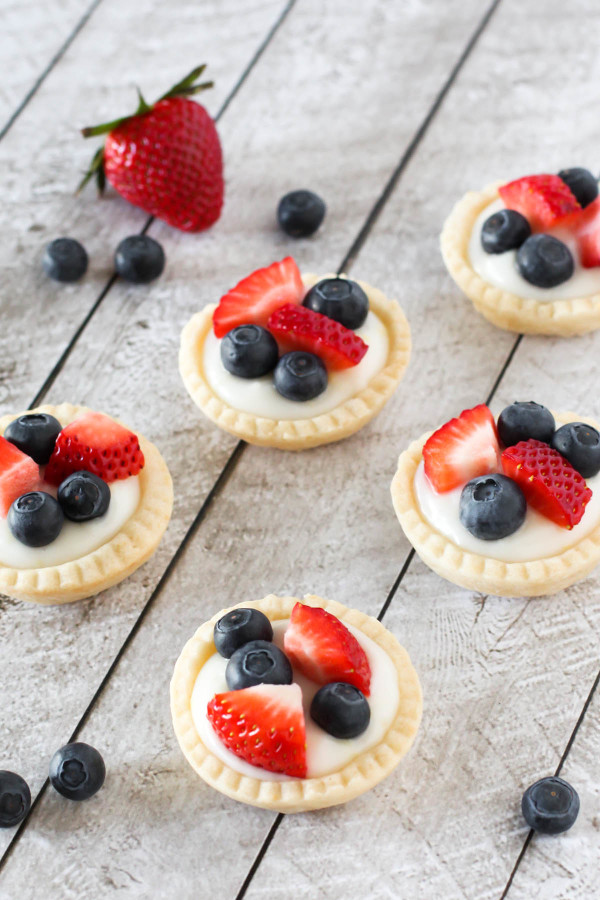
(587, 231)
(252, 301)
(19, 474)
(98, 444)
(263, 725)
(462, 449)
(300, 328)
(544, 200)
(324, 650)
(550, 483)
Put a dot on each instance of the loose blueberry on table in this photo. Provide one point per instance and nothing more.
(300, 213)
(541, 213)
(48, 472)
(77, 771)
(539, 466)
(139, 259)
(65, 259)
(550, 806)
(268, 324)
(264, 702)
(15, 799)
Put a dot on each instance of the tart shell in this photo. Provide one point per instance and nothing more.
(117, 558)
(483, 573)
(299, 434)
(297, 795)
(564, 318)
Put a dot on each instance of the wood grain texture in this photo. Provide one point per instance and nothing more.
(31, 35)
(136, 332)
(504, 679)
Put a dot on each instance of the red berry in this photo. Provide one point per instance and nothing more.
(19, 474)
(252, 301)
(587, 229)
(544, 200)
(98, 444)
(264, 725)
(324, 650)
(300, 328)
(550, 484)
(168, 161)
(462, 449)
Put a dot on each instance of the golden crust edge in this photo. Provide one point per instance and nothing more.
(563, 318)
(300, 434)
(113, 561)
(303, 794)
(482, 573)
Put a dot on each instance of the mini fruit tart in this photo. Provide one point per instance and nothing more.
(509, 508)
(83, 503)
(527, 253)
(294, 361)
(294, 705)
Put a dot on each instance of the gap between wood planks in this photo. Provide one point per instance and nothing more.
(233, 459)
(45, 72)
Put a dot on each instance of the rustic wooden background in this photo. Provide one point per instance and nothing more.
(390, 110)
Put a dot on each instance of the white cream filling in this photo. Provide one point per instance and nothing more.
(324, 753)
(500, 269)
(259, 397)
(76, 538)
(537, 538)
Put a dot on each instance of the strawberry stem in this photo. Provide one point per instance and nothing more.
(187, 87)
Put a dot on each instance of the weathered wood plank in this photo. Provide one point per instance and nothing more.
(31, 35)
(43, 155)
(566, 868)
(136, 334)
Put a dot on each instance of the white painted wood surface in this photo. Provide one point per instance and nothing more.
(504, 680)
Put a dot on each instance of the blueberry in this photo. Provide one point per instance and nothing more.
(15, 799)
(65, 260)
(83, 496)
(524, 420)
(340, 299)
(139, 259)
(257, 662)
(77, 771)
(341, 710)
(300, 376)
(240, 626)
(249, 351)
(580, 445)
(550, 806)
(492, 507)
(544, 261)
(35, 519)
(582, 184)
(300, 213)
(35, 434)
(504, 230)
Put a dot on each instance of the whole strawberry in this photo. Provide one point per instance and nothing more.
(166, 158)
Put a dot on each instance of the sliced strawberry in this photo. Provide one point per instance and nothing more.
(252, 301)
(550, 483)
(19, 474)
(324, 650)
(264, 725)
(462, 449)
(587, 230)
(300, 328)
(544, 200)
(98, 444)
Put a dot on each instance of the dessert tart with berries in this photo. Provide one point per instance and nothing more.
(83, 503)
(527, 253)
(294, 705)
(293, 361)
(509, 507)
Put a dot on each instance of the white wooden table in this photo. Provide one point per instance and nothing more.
(390, 110)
